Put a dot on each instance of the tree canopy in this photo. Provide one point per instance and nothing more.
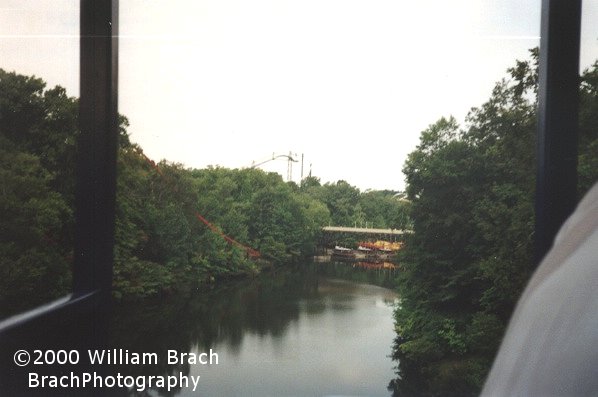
(472, 190)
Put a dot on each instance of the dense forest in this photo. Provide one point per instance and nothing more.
(161, 243)
(471, 189)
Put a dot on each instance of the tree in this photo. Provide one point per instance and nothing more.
(471, 190)
(471, 254)
(37, 135)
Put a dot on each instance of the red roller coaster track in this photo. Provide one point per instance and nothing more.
(250, 251)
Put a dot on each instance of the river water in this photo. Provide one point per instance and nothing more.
(320, 330)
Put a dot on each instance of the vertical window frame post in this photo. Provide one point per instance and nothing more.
(97, 147)
(558, 105)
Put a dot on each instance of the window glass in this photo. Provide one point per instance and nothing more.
(39, 83)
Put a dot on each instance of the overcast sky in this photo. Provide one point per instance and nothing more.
(348, 83)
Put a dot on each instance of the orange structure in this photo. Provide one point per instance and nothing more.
(382, 245)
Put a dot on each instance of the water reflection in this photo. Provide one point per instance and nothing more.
(302, 333)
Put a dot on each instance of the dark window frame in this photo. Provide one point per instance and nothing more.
(558, 114)
(95, 192)
(78, 318)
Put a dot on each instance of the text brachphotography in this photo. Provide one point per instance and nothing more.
(95, 380)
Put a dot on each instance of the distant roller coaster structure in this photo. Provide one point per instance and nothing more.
(290, 161)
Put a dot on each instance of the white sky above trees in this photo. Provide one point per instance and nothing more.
(349, 83)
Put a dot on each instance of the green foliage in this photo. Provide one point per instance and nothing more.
(470, 256)
(341, 199)
(30, 260)
(261, 210)
(384, 209)
(350, 207)
(37, 133)
(160, 243)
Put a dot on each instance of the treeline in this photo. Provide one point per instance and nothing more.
(160, 242)
(159, 235)
(470, 257)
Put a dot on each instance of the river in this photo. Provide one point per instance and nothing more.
(319, 330)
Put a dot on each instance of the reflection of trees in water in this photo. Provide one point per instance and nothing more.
(202, 319)
(381, 277)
